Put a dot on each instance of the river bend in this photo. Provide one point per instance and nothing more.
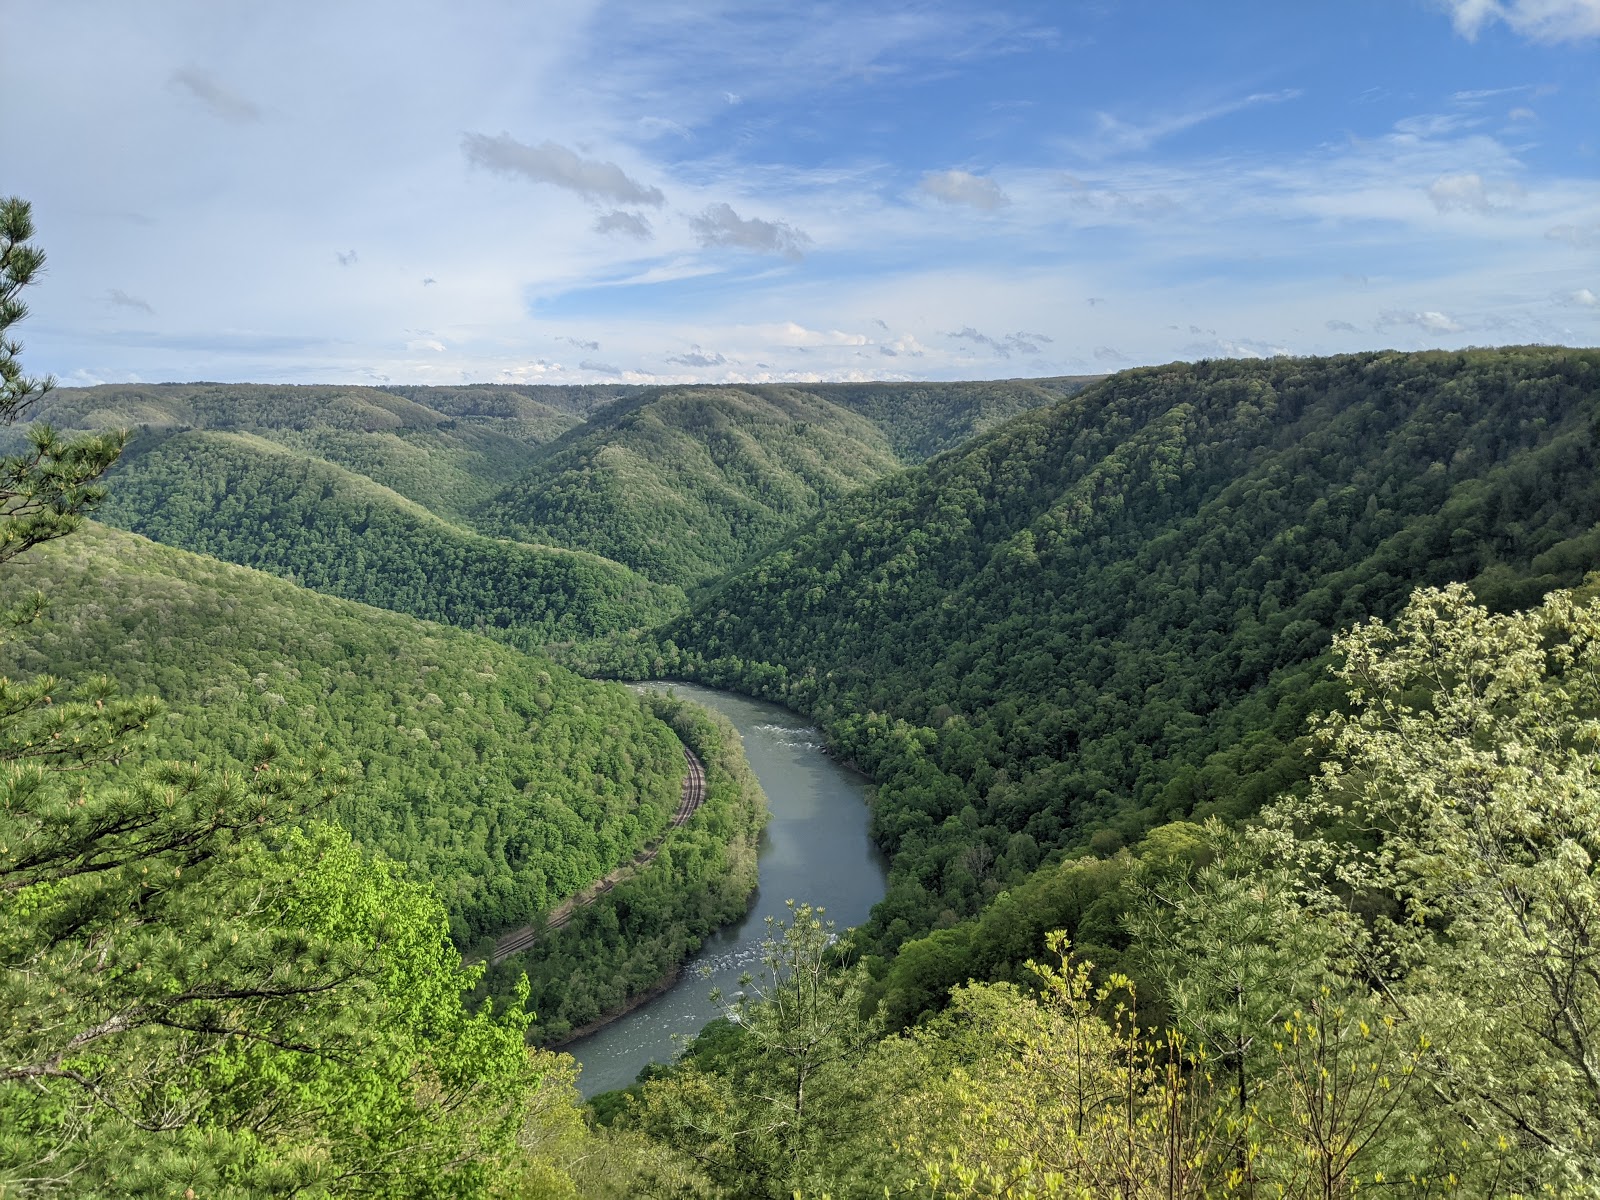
(816, 851)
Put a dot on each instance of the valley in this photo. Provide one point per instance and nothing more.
(1080, 635)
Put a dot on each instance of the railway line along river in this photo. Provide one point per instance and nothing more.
(816, 850)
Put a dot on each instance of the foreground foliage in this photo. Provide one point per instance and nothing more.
(1389, 983)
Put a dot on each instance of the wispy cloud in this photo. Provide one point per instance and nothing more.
(117, 298)
(580, 343)
(1536, 20)
(555, 164)
(218, 100)
(799, 337)
(696, 357)
(1581, 237)
(347, 258)
(1468, 191)
(617, 221)
(719, 225)
(962, 187)
(1114, 134)
(1006, 345)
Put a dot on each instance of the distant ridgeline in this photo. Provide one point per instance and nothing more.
(1114, 611)
(405, 497)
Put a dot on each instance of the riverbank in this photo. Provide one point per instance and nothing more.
(692, 796)
(617, 951)
(816, 848)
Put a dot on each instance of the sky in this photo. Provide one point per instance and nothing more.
(672, 191)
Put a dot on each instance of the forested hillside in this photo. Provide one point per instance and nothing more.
(676, 484)
(248, 500)
(447, 449)
(922, 419)
(507, 782)
(640, 932)
(684, 484)
(1110, 613)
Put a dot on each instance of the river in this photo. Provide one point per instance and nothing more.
(816, 851)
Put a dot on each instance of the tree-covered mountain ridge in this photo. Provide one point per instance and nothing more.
(1110, 612)
(249, 500)
(675, 484)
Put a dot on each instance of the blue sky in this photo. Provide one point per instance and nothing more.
(681, 191)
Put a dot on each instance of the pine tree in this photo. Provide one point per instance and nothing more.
(201, 991)
(45, 490)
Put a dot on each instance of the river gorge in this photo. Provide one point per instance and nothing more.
(816, 850)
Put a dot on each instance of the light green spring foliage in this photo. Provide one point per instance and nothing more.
(1388, 987)
(190, 1007)
(1461, 801)
(773, 1101)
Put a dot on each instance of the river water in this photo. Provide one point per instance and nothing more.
(816, 851)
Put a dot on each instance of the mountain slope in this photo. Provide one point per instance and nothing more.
(449, 454)
(683, 483)
(1106, 613)
(248, 500)
(508, 782)
(924, 419)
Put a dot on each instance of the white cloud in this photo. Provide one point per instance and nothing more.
(552, 163)
(962, 187)
(1469, 192)
(1521, 113)
(1585, 297)
(1430, 321)
(793, 334)
(1114, 134)
(1335, 326)
(1536, 20)
(719, 225)
(1109, 354)
(905, 346)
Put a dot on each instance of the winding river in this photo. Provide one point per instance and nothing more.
(816, 850)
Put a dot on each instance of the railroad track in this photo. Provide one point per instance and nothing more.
(689, 799)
